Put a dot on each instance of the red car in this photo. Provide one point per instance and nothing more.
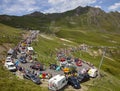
(79, 63)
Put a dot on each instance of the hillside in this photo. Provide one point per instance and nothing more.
(9, 37)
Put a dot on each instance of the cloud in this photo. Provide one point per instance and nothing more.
(64, 5)
(115, 6)
(21, 7)
(18, 6)
(97, 6)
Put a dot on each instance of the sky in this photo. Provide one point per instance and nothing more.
(22, 7)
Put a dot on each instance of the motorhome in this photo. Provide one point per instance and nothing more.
(57, 82)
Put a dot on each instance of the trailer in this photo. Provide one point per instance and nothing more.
(57, 82)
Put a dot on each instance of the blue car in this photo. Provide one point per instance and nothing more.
(22, 59)
(32, 77)
(73, 81)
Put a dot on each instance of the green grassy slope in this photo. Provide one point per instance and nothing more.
(9, 34)
(92, 37)
(110, 79)
(46, 48)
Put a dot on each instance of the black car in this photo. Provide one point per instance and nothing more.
(53, 66)
(73, 81)
(22, 59)
(37, 66)
(32, 77)
(83, 77)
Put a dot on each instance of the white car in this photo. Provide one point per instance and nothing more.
(64, 63)
(10, 66)
(8, 59)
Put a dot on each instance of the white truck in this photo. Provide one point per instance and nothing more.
(10, 66)
(57, 82)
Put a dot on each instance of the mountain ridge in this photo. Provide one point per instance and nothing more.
(79, 17)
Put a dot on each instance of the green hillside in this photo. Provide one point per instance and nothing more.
(9, 34)
(110, 79)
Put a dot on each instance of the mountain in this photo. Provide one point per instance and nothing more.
(82, 21)
(79, 17)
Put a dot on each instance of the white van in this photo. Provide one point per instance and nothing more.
(92, 72)
(57, 82)
(10, 66)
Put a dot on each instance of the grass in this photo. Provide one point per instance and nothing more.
(109, 69)
(46, 49)
(105, 83)
(9, 34)
(90, 37)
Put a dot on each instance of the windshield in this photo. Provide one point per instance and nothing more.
(11, 65)
(8, 61)
(75, 81)
(33, 77)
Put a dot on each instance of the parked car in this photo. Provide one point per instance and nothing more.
(57, 82)
(37, 66)
(63, 62)
(73, 81)
(32, 77)
(53, 66)
(83, 77)
(10, 66)
(8, 59)
(78, 62)
(22, 59)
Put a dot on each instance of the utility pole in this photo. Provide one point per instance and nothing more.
(101, 61)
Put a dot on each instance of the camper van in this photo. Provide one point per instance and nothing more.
(57, 82)
(92, 72)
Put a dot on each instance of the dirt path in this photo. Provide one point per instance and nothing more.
(46, 37)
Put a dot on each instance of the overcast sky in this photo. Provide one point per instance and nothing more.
(22, 7)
